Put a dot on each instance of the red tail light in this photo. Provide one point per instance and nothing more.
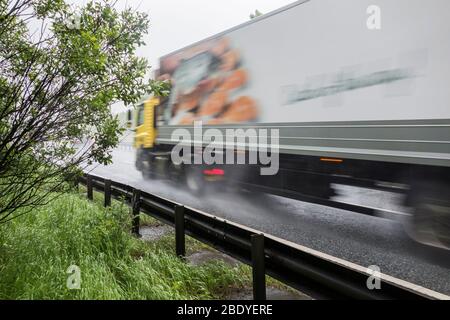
(214, 172)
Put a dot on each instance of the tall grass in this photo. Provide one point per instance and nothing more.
(36, 249)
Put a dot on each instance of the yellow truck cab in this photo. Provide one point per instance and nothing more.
(152, 159)
(145, 120)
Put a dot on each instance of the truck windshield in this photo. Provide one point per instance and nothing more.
(140, 115)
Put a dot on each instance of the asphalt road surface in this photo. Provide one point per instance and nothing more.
(351, 236)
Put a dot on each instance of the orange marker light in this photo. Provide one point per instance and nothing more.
(332, 160)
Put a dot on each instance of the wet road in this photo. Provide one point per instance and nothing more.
(354, 237)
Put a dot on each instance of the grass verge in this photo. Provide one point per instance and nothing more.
(37, 249)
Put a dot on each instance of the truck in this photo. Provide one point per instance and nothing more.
(357, 92)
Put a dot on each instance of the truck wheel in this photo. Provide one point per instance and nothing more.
(140, 155)
(430, 223)
(144, 164)
(194, 180)
(147, 174)
(175, 173)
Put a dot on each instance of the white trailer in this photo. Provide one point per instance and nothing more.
(363, 83)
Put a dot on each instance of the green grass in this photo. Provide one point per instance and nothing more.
(37, 248)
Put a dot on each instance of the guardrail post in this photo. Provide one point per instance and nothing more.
(76, 184)
(136, 207)
(107, 192)
(258, 267)
(180, 244)
(90, 193)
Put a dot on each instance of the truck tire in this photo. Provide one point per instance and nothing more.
(194, 180)
(140, 155)
(175, 173)
(147, 174)
(144, 164)
(430, 222)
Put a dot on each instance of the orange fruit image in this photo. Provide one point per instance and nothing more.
(188, 102)
(220, 47)
(213, 104)
(208, 85)
(229, 60)
(237, 79)
(215, 121)
(164, 77)
(169, 64)
(242, 109)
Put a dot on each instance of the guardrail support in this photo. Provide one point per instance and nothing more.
(76, 184)
(90, 193)
(258, 267)
(180, 244)
(107, 191)
(136, 208)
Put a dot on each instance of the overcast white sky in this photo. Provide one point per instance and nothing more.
(177, 23)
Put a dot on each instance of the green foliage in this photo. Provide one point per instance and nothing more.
(36, 250)
(256, 14)
(60, 71)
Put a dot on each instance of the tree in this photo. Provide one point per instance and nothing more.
(256, 14)
(60, 70)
